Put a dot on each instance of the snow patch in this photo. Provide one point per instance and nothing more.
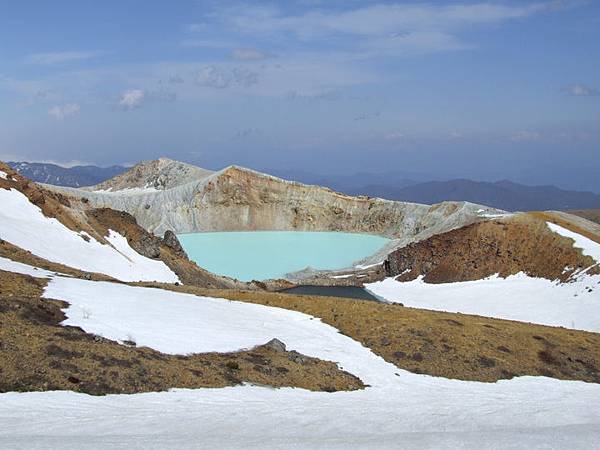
(518, 297)
(363, 267)
(129, 191)
(587, 246)
(24, 225)
(3, 174)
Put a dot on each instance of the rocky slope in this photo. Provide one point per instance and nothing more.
(159, 174)
(507, 246)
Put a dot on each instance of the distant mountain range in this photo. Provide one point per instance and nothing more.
(501, 194)
(505, 195)
(76, 176)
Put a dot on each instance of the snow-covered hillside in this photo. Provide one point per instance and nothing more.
(575, 304)
(400, 409)
(23, 224)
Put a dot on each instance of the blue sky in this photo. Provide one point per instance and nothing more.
(488, 90)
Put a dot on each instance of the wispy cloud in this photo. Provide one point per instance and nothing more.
(419, 27)
(60, 57)
(132, 99)
(59, 112)
(581, 90)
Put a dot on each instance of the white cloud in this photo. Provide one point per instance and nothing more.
(581, 90)
(59, 57)
(249, 54)
(132, 99)
(59, 112)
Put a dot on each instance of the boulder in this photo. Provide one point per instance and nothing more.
(171, 241)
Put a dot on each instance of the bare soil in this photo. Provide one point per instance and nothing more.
(37, 353)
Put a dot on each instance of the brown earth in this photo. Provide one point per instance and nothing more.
(521, 243)
(444, 344)
(36, 353)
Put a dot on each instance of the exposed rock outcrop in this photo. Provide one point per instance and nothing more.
(521, 243)
(159, 174)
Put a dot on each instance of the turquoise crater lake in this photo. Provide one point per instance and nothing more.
(261, 255)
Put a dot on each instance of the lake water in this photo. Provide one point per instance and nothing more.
(260, 255)
(352, 292)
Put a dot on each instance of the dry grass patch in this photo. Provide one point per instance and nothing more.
(36, 353)
(445, 344)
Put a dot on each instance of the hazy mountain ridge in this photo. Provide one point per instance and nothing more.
(505, 194)
(76, 176)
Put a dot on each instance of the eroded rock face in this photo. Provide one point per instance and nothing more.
(522, 243)
(237, 199)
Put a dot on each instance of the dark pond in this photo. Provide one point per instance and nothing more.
(333, 291)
